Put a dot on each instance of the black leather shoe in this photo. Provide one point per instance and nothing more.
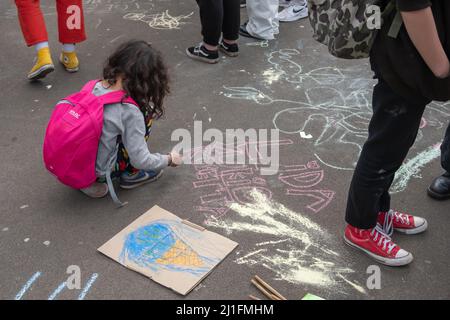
(440, 187)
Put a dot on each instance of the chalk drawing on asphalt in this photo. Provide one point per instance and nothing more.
(300, 252)
(161, 21)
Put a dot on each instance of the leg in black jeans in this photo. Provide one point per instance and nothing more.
(392, 131)
(445, 151)
(219, 16)
(231, 19)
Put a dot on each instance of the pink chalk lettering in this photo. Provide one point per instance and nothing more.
(323, 197)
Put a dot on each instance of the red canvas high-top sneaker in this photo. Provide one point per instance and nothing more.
(377, 245)
(401, 222)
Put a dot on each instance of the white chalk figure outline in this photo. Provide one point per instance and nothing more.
(159, 21)
(291, 71)
(109, 6)
(299, 250)
(343, 120)
(262, 44)
(328, 118)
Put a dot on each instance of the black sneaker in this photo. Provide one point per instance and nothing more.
(243, 3)
(200, 53)
(243, 32)
(231, 50)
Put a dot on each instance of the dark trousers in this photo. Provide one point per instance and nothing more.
(392, 131)
(219, 17)
(445, 151)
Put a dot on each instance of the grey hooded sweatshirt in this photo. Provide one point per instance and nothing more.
(127, 121)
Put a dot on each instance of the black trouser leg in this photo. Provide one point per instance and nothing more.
(445, 151)
(211, 16)
(231, 19)
(392, 131)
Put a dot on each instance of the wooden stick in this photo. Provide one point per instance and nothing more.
(264, 291)
(269, 288)
(253, 297)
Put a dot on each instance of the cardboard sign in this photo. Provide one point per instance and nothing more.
(171, 251)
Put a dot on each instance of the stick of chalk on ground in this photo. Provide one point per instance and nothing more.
(260, 288)
(269, 288)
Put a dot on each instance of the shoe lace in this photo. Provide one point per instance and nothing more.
(401, 217)
(383, 239)
(198, 47)
(388, 223)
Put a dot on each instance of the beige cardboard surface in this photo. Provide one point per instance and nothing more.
(159, 245)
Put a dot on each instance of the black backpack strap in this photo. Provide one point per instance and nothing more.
(397, 22)
(396, 25)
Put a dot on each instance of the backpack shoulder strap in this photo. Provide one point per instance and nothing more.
(397, 21)
(89, 86)
(116, 97)
(396, 25)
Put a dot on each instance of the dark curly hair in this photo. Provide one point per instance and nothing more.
(144, 75)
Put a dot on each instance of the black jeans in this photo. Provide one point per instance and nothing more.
(392, 131)
(219, 17)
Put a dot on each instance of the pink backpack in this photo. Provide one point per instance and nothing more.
(73, 135)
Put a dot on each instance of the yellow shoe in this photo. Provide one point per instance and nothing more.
(43, 66)
(70, 61)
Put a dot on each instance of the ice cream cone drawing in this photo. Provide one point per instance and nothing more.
(160, 245)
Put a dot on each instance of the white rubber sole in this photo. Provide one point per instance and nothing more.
(400, 262)
(288, 4)
(41, 72)
(96, 196)
(198, 58)
(71, 70)
(416, 230)
(229, 54)
(296, 18)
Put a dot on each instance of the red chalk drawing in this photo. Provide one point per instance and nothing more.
(323, 197)
(222, 185)
(301, 178)
(225, 185)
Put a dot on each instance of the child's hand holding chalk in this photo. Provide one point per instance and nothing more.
(175, 159)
